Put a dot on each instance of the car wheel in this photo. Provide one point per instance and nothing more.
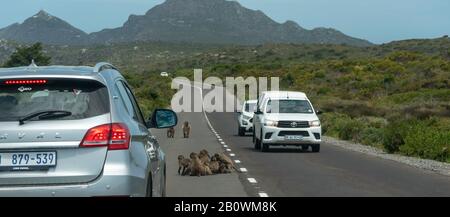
(257, 142)
(149, 190)
(163, 191)
(241, 131)
(316, 148)
(253, 135)
(264, 147)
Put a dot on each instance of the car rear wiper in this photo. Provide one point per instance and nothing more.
(45, 115)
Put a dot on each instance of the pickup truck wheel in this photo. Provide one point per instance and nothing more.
(256, 141)
(315, 148)
(305, 147)
(241, 131)
(264, 147)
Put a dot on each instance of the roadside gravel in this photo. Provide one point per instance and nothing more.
(435, 166)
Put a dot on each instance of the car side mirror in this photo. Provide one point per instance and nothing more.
(162, 118)
(258, 112)
(251, 120)
(319, 112)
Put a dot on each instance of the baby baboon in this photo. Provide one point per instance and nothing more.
(186, 129)
(171, 132)
(204, 156)
(226, 168)
(184, 165)
(198, 168)
(214, 165)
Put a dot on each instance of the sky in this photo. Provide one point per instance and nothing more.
(379, 21)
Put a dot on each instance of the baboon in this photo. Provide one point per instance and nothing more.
(214, 165)
(171, 132)
(198, 168)
(184, 165)
(204, 156)
(186, 129)
(226, 165)
(226, 168)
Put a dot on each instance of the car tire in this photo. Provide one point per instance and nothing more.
(164, 190)
(149, 189)
(257, 142)
(253, 135)
(241, 131)
(315, 148)
(264, 147)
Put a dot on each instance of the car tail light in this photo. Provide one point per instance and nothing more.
(14, 82)
(116, 136)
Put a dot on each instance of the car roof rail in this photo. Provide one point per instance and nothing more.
(103, 66)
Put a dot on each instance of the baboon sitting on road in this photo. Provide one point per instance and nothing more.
(198, 168)
(204, 156)
(184, 165)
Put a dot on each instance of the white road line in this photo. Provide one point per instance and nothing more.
(225, 146)
(222, 143)
(262, 194)
(237, 161)
(232, 155)
(243, 170)
(252, 180)
(228, 149)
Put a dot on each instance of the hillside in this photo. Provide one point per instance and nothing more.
(180, 21)
(45, 28)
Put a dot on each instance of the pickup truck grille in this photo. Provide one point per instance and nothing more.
(293, 133)
(293, 124)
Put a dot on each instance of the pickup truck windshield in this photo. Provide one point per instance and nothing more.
(289, 106)
(250, 107)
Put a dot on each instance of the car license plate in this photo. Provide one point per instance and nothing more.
(17, 161)
(293, 138)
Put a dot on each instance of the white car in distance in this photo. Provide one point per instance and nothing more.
(286, 119)
(164, 74)
(245, 115)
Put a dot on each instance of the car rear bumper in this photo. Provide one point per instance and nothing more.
(104, 186)
(117, 179)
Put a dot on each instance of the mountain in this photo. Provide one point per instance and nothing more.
(195, 21)
(216, 21)
(45, 28)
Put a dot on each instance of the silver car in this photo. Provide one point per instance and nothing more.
(77, 131)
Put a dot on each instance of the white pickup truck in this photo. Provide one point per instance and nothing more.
(286, 118)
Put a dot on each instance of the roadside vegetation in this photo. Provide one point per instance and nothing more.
(394, 96)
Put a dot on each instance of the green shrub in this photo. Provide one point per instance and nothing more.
(395, 133)
(427, 142)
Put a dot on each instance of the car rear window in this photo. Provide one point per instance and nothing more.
(83, 98)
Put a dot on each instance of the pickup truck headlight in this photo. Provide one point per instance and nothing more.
(271, 123)
(314, 123)
(246, 117)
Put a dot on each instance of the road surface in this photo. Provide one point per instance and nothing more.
(289, 171)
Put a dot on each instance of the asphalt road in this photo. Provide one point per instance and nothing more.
(289, 171)
(223, 185)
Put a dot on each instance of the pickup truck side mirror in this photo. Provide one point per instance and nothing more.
(258, 112)
(319, 112)
(162, 118)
